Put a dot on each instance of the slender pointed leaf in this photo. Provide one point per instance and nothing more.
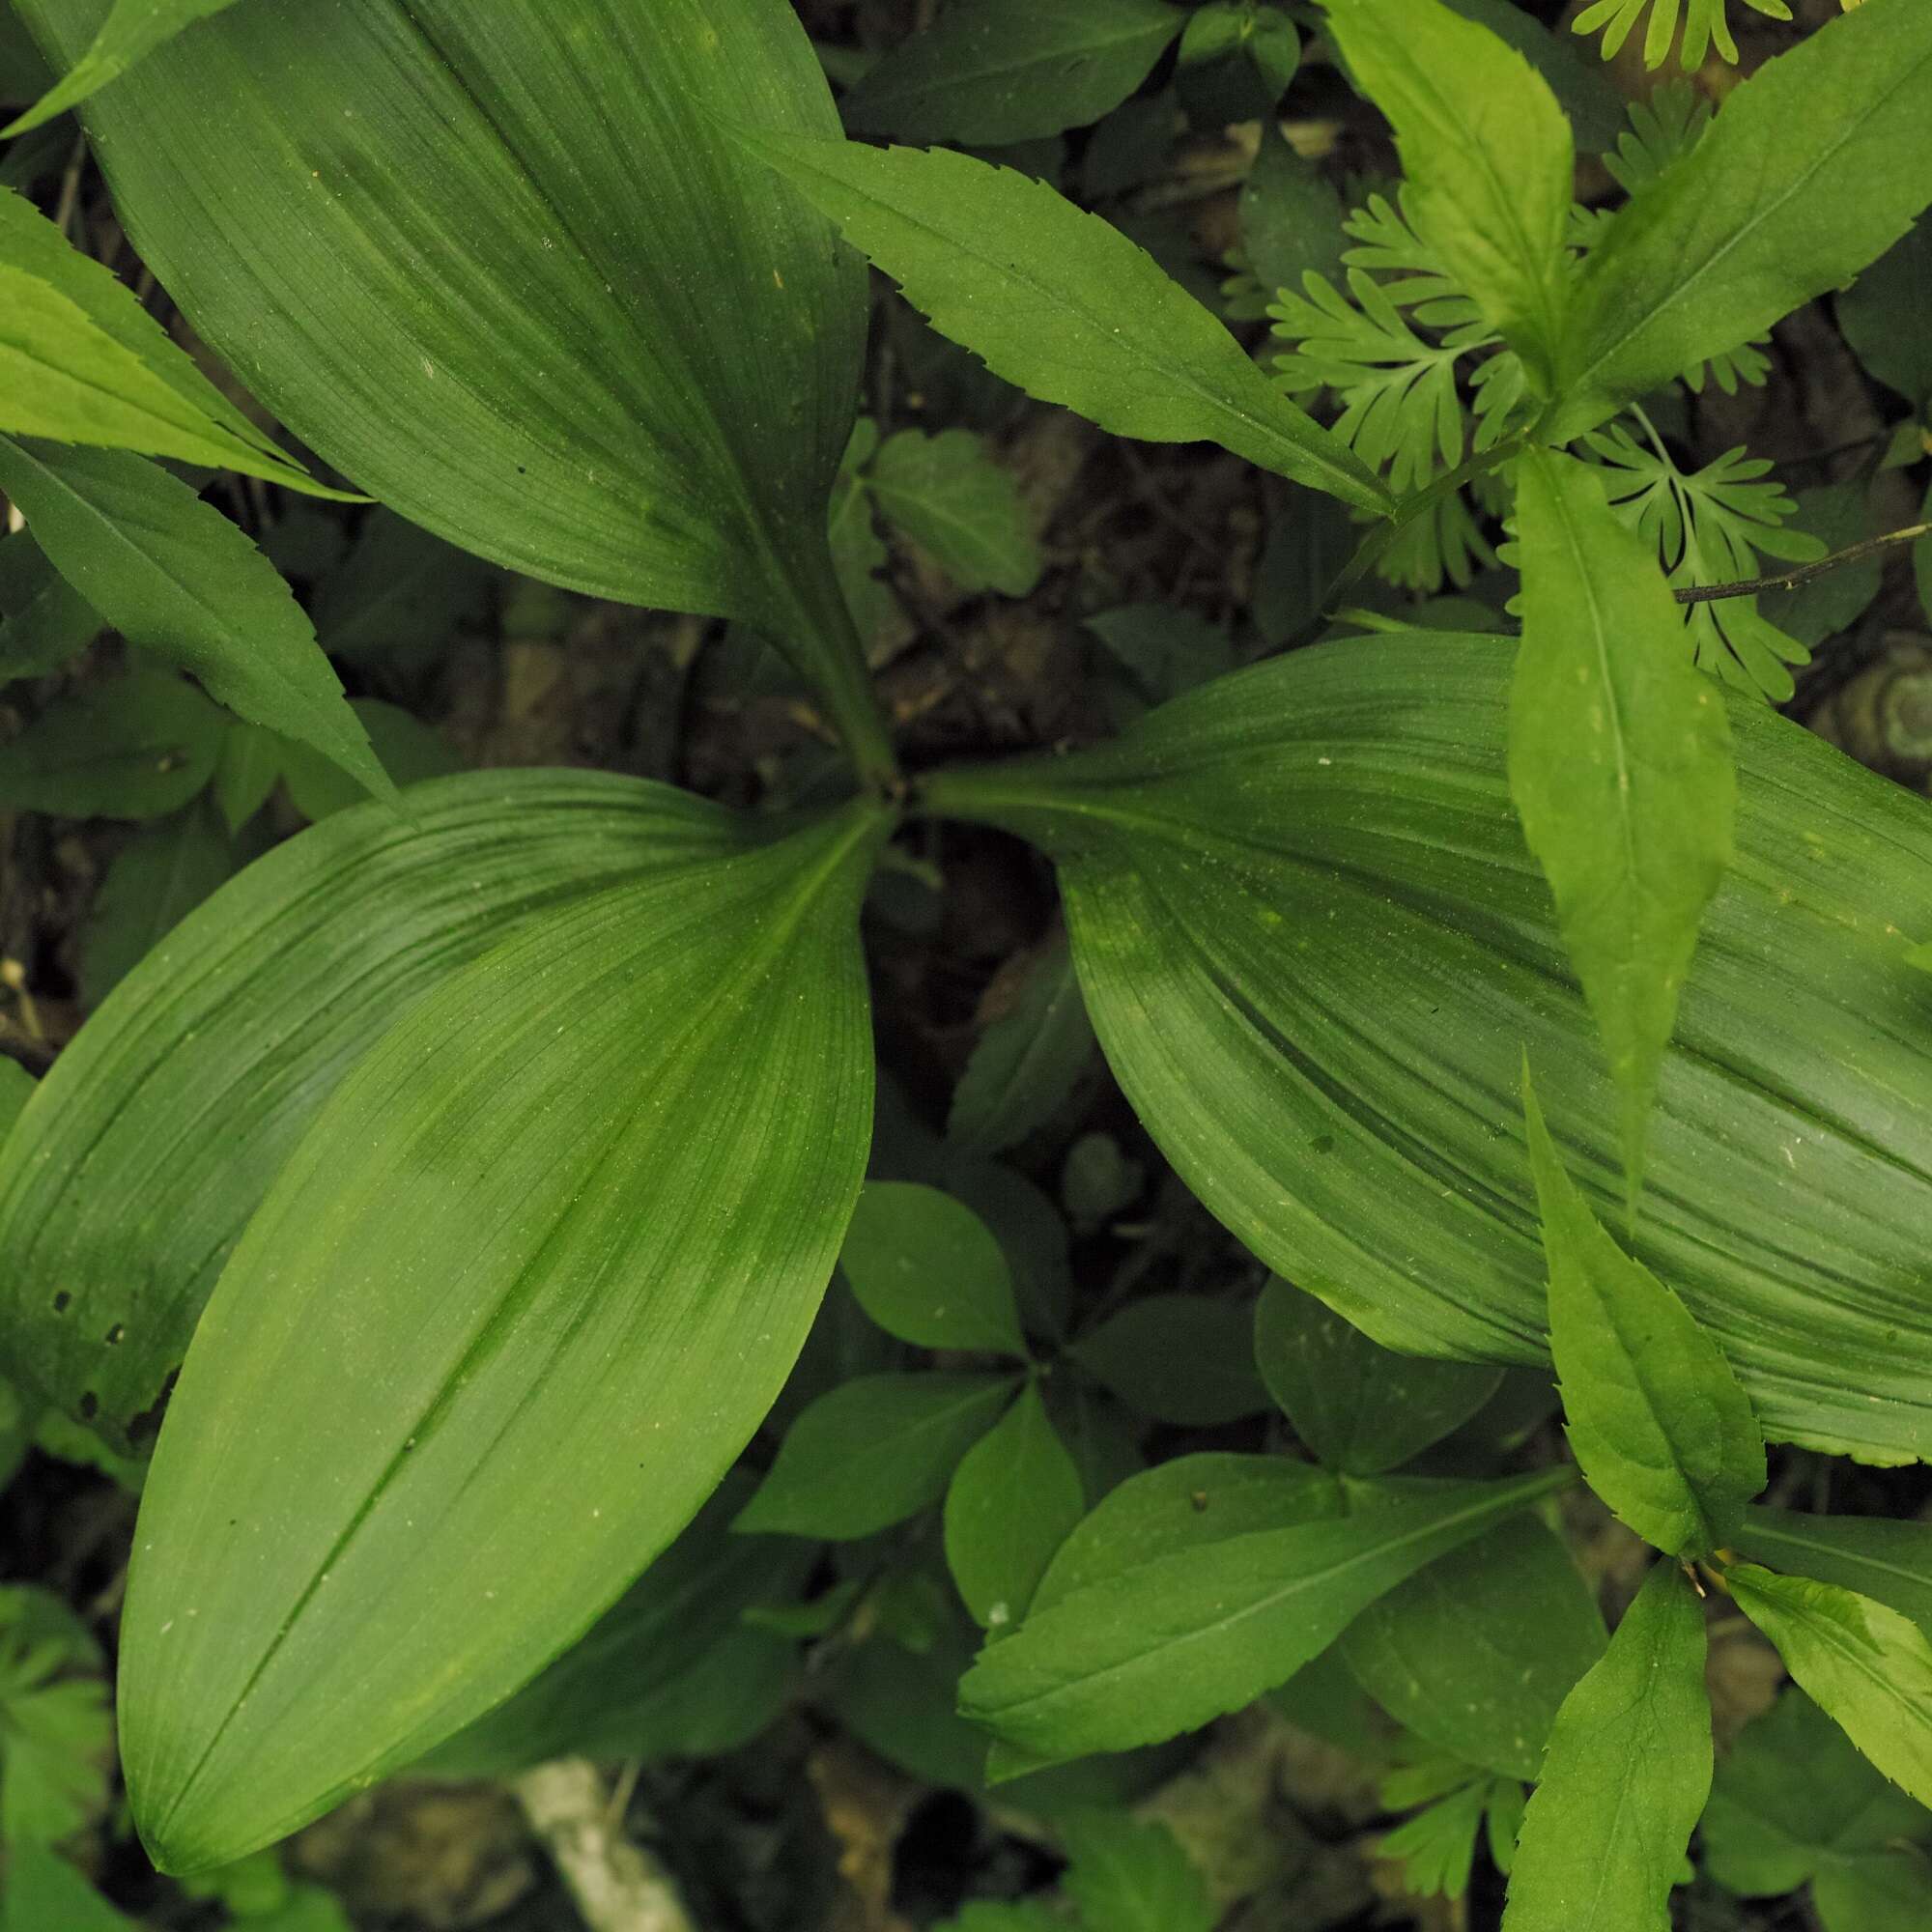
(1620, 765)
(1061, 303)
(130, 29)
(1891, 1562)
(1027, 1060)
(173, 575)
(1625, 1778)
(44, 620)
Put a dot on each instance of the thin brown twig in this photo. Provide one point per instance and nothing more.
(1790, 580)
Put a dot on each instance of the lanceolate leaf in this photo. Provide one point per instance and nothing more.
(1620, 766)
(1062, 303)
(1315, 948)
(992, 72)
(1663, 1431)
(159, 1129)
(1179, 1639)
(173, 575)
(1815, 167)
(505, 1317)
(1625, 1778)
(1889, 1561)
(928, 1269)
(483, 314)
(1487, 154)
(1865, 1664)
(130, 29)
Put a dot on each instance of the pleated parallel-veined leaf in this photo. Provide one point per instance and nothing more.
(1314, 949)
(515, 1302)
(503, 267)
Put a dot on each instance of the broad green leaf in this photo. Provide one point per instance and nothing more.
(44, 620)
(1132, 1876)
(1180, 1358)
(1013, 1498)
(1314, 949)
(156, 1134)
(1291, 224)
(995, 72)
(135, 746)
(131, 28)
(1621, 768)
(1061, 303)
(154, 882)
(614, 1158)
(1595, 108)
(1866, 1666)
(173, 575)
(1476, 1653)
(928, 1269)
(480, 317)
(82, 351)
(1237, 61)
(1027, 1060)
(946, 493)
(1887, 1561)
(1623, 1780)
(1488, 157)
(43, 1889)
(873, 1452)
(1662, 1430)
(1358, 1407)
(1816, 166)
(1179, 1639)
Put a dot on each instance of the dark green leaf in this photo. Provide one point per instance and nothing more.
(1625, 1778)
(1868, 1667)
(1180, 1638)
(1620, 765)
(875, 1452)
(130, 29)
(173, 575)
(1815, 167)
(44, 620)
(399, 593)
(17, 1086)
(1180, 1358)
(1097, 1182)
(250, 769)
(1883, 316)
(1130, 1876)
(136, 747)
(1360, 1408)
(1237, 61)
(1887, 1561)
(43, 1890)
(1837, 515)
(1027, 1060)
(946, 493)
(154, 882)
(56, 1742)
(387, 1514)
(1013, 1498)
(1061, 303)
(1595, 108)
(408, 749)
(1291, 220)
(998, 71)
(928, 1269)
(1437, 1848)
(1314, 948)
(1662, 1430)
(1166, 649)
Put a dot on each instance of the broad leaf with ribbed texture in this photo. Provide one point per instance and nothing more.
(155, 1137)
(131, 28)
(507, 1314)
(504, 268)
(1814, 167)
(1487, 155)
(173, 575)
(1061, 303)
(1315, 948)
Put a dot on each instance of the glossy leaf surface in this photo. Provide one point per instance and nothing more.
(1314, 949)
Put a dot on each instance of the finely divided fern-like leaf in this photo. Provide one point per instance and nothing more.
(1705, 22)
(1711, 526)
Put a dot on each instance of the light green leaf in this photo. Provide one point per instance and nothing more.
(387, 1514)
(1620, 766)
(1887, 1561)
(1061, 303)
(173, 575)
(1815, 167)
(1866, 1666)
(159, 1129)
(1476, 1653)
(1360, 1408)
(136, 747)
(1595, 108)
(1625, 1778)
(873, 1452)
(946, 493)
(1027, 1060)
(1130, 1876)
(249, 770)
(1657, 1420)
(481, 319)
(1013, 1498)
(1437, 1848)
(995, 72)
(1488, 157)
(154, 882)
(56, 1742)
(1180, 1358)
(1179, 1639)
(1705, 21)
(43, 1890)
(44, 620)
(131, 28)
(928, 1269)
(1330, 836)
